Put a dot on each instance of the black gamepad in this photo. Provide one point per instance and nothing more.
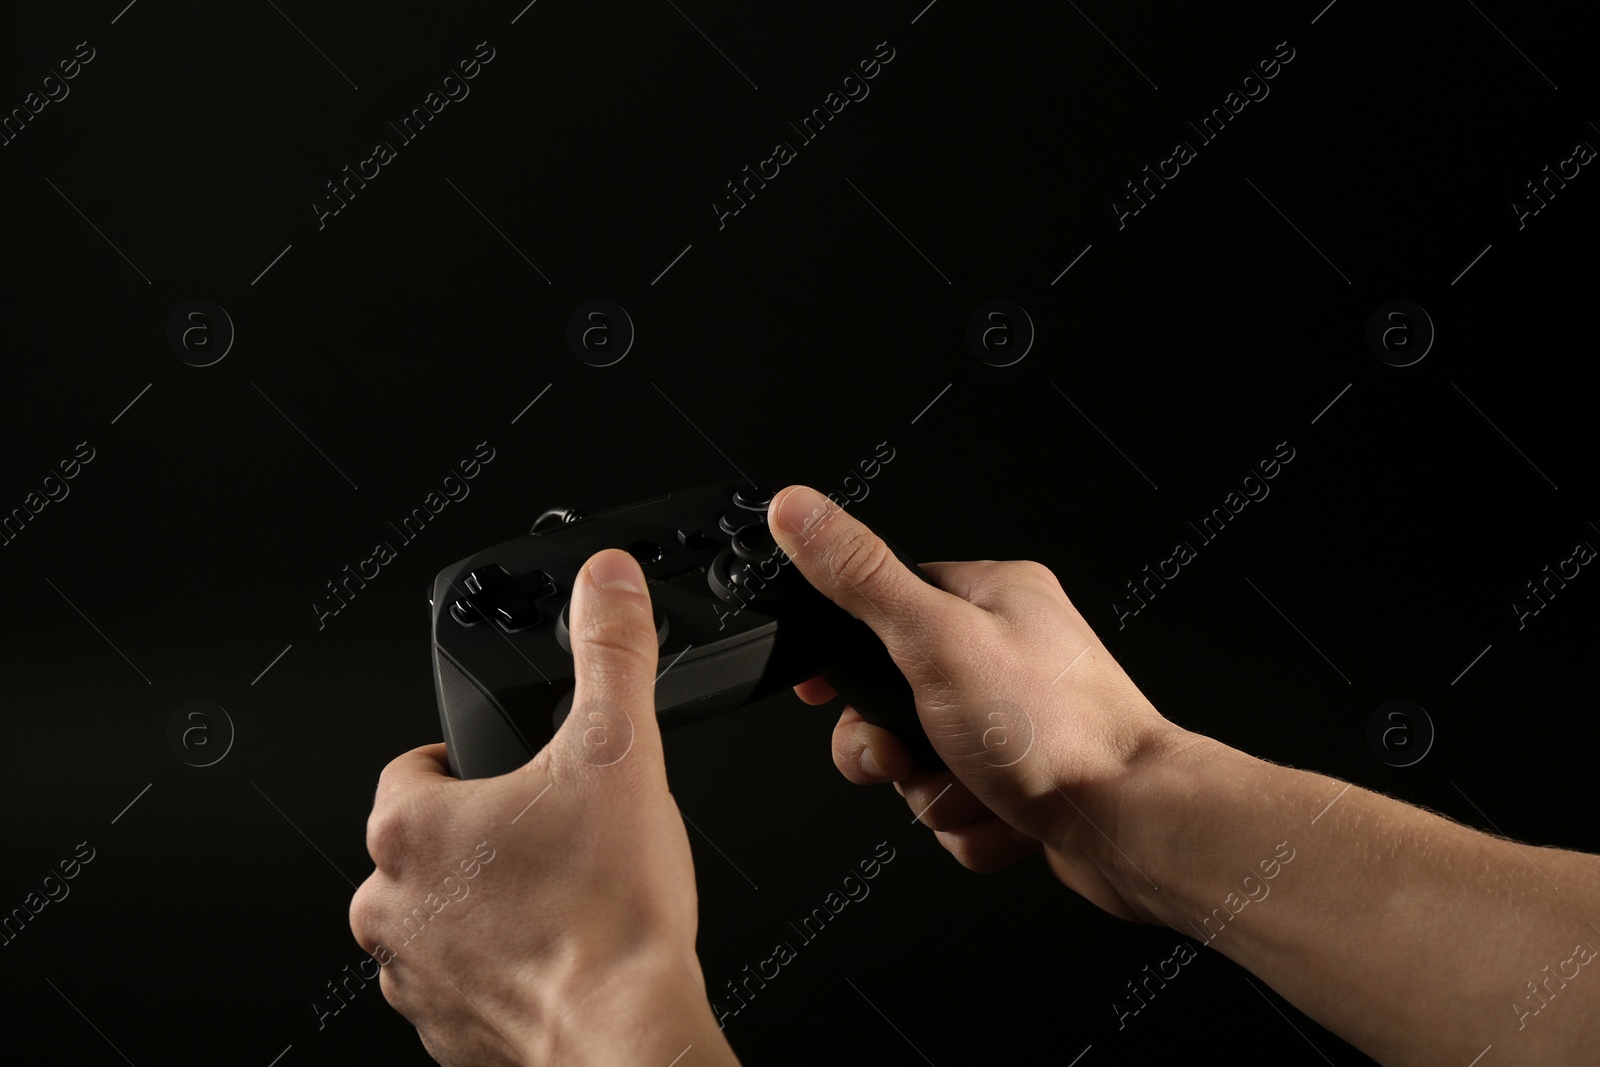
(735, 619)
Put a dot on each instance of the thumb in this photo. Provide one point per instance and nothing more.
(856, 569)
(614, 653)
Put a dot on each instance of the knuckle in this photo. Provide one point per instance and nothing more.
(967, 852)
(937, 821)
(956, 845)
(860, 559)
(388, 835)
(617, 636)
(363, 916)
(394, 991)
(1033, 573)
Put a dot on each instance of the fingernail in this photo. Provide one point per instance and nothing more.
(869, 764)
(616, 570)
(802, 507)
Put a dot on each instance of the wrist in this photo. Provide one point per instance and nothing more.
(1126, 823)
(650, 1008)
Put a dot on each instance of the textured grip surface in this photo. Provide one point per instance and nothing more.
(479, 740)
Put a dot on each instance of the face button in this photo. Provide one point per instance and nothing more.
(734, 521)
(752, 497)
(754, 543)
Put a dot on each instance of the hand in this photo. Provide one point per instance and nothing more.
(548, 914)
(1028, 710)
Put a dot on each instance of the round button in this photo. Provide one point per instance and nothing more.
(734, 521)
(754, 543)
(645, 551)
(753, 497)
(717, 577)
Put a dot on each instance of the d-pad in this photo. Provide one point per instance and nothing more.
(494, 595)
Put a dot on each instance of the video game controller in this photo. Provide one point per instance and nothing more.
(735, 622)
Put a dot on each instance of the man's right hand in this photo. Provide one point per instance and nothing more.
(1028, 709)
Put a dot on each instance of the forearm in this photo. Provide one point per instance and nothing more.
(1412, 937)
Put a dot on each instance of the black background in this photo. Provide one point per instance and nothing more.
(377, 351)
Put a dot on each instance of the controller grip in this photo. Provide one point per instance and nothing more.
(864, 674)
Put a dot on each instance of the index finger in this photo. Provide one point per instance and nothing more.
(411, 770)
